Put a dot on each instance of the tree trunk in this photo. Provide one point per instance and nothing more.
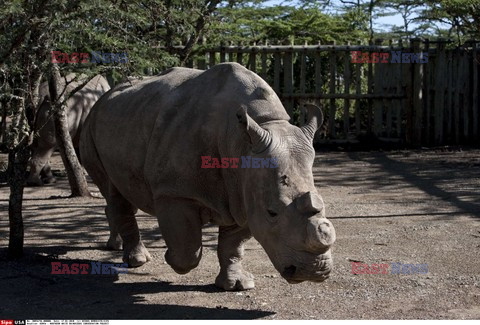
(17, 167)
(76, 178)
(18, 146)
(3, 127)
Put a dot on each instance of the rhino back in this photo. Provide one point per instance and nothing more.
(80, 104)
(78, 108)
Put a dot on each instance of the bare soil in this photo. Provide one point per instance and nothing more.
(417, 207)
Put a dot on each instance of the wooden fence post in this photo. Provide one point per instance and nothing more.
(358, 91)
(389, 77)
(449, 97)
(288, 81)
(346, 101)
(428, 70)
(303, 88)
(370, 92)
(222, 52)
(439, 106)
(252, 60)
(333, 107)
(211, 59)
(417, 100)
(318, 79)
(466, 71)
(457, 67)
(201, 63)
(475, 91)
(318, 72)
(276, 72)
(399, 89)
(463, 78)
(240, 55)
(377, 103)
(263, 74)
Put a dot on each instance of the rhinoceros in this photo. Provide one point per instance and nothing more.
(142, 145)
(78, 107)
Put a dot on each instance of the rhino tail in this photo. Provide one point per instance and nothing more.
(91, 160)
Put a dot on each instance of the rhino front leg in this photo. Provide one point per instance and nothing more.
(181, 225)
(230, 253)
(121, 218)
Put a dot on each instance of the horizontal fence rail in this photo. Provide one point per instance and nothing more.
(429, 102)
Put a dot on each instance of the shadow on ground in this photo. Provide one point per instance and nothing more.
(52, 296)
(443, 178)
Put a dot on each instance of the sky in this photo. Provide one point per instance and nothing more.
(379, 23)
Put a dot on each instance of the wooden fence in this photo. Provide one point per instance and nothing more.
(431, 103)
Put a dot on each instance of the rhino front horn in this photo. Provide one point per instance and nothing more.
(320, 235)
(260, 139)
(315, 120)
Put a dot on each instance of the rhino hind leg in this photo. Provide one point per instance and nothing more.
(181, 226)
(230, 253)
(114, 242)
(121, 217)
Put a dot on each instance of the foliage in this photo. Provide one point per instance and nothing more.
(463, 16)
(284, 25)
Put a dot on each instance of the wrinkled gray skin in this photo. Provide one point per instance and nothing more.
(78, 107)
(142, 146)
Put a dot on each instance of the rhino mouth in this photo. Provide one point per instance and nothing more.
(301, 278)
(294, 274)
(289, 271)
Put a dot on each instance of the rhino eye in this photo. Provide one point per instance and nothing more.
(272, 213)
(284, 180)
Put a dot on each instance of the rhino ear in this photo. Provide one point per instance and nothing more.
(260, 138)
(315, 120)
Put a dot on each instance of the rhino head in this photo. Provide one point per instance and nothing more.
(283, 209)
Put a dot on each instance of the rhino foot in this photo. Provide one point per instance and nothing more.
(34, 181)
(49, 180)
(137, 256)
(235, 280)
(182, 264)
(115, 243)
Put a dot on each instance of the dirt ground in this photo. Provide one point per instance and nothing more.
(417, 207)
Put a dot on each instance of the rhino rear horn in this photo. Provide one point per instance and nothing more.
(315, 120)
(260, 138)
(310, 202)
